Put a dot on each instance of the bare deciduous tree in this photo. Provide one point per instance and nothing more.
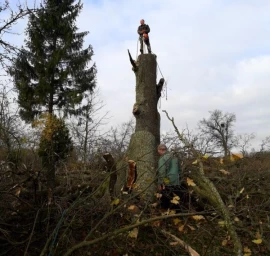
(243, 141)
(86, 128)
(219, 128)
(9, 17)
(265, 145)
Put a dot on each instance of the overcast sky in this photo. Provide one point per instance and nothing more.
(214, 54)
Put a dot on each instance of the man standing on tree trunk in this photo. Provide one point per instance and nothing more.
(143, 31)
(168, 176)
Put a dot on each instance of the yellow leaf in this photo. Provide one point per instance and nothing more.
(172, 212)
(181, 228)
(176, 221)
(221, 223)
(154, 205)
(131, 207)
(237, 156)
(190, 182)
(257, 241)
(197, 217)
(246, 249)
(247, 196)
(133, 233)
(174, 201)
(224, 242)
(176, 198)
(173, 243)
(158, 195)
(166, 180)
(195, 162)
(205, 156)
(115, 201)
(134, 186)
(242, 190)
(236, 219)
(230, 206)
(224, 172)
(221, 161)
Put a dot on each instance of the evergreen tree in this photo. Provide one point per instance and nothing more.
(52, 72)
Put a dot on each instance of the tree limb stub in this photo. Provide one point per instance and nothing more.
(132, 62)
(136, 110)
(131, 177)
(111, 165)
(160, 86)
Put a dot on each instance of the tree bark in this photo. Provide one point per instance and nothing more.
(143, 144)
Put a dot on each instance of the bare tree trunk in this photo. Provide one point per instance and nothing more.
(143, 144)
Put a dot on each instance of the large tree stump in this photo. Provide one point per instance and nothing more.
(143, 144)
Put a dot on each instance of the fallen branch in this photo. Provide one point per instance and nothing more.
(208, 190)
(127, 228)
(190, 251)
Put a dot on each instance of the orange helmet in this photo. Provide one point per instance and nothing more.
(145, 36)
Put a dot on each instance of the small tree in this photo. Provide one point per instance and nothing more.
(55, 145)
(219, 128)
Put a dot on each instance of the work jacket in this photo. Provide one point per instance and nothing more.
(168, 170)
(143, 29)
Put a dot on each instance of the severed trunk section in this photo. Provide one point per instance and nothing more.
(143, 144)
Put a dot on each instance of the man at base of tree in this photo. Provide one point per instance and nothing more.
(168, 176)
(143, 31)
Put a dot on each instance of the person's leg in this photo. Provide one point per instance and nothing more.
(147, 42)
(165, 199)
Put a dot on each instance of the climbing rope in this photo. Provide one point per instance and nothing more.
(165, 83)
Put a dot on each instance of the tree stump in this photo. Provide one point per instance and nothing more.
(143, 144)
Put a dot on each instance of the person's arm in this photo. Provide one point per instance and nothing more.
(139, 31)
(147, 30)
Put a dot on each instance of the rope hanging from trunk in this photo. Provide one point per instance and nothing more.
(165, 84)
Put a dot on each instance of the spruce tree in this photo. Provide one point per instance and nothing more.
(51, 72)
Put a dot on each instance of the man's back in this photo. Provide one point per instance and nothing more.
(168, 170)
